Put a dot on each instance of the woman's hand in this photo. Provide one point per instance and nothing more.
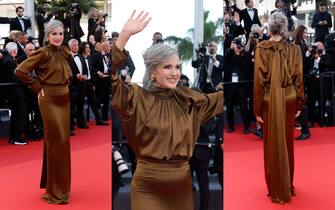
(259, 119)
(40, 94)
(135, 25)
(297, 114)
(131, 27)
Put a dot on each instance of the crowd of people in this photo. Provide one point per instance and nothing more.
(91, 66)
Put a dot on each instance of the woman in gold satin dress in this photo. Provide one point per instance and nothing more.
(162, 122)
(278, 99)
(53, 77)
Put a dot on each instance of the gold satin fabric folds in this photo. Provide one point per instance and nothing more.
(278, 94)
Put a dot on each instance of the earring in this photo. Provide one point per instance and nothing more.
(153, 78)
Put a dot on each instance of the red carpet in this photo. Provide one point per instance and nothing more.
(244, 182)
(20, 171)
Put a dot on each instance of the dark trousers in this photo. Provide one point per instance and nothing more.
(18, 118)
(73, 101)
(303, 121)
(86, 91)
(236, 96)
(201, 170)
(103, 90)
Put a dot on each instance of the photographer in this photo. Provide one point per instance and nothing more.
(236, 63)
(313, 55)
(72, 21)
(233, 27)
(95, 20)
(210, 67)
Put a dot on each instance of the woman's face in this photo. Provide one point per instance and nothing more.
(56, 36)
(167, 73)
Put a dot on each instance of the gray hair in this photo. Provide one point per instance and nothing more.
(11, 47)
(278, 24)
(153, 56)
(52, 25)
(255, 27)
(72, 41)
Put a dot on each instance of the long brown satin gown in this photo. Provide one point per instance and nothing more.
(53, 75)
(278, 94)
(161, 127)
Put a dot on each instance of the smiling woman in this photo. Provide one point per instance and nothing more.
(53, 75)
(162, 67)
(162, 123)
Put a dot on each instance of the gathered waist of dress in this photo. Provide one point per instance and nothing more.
(173, 159)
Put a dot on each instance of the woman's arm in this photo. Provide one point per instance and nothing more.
(121, 92)
(31, 63)
(131, 27)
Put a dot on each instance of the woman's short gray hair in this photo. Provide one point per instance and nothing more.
(278, 24)
(52, 25)
(154, 56)
(11, 46)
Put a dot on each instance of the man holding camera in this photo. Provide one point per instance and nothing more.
(236, 65)
(72, 21)
(210, 67)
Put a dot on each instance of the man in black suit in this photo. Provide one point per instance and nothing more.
(83, 80)
(210, 68)
(249, 16)
(321, 22)
(21, 43)
(101, 68)
(19, 23)
(14, 94)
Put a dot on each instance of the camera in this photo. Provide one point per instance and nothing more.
(239, 42)
(74, 8)
(201, 50)
(120, 163)
(314, 50)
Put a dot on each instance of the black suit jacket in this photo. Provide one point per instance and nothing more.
(97, 63)
(216, 72)
(247, 19)
(75, 71)
(321, 30)
(14, 24)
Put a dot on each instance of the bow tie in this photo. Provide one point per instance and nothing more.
(250, 10)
